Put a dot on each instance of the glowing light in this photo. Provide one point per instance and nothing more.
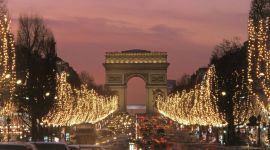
(196, 107)
(75, 106)
(47, 94)
(258, 57)
(223, 93)
(8, 108)
(19, 82)
(261, 74)
(137, 58)
(7, 76)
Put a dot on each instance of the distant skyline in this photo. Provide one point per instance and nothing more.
(187, 30)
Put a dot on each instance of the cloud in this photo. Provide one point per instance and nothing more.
(164, 30)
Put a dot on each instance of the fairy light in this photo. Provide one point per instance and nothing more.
(76, 106)
(8, 81)
(196, 107)
(7, 64)
(259, 54)
(258, 57)
(7, 57)
(199, 105)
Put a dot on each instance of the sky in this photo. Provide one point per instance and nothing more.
(187, 30)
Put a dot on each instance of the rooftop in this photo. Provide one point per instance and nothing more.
(136, 51)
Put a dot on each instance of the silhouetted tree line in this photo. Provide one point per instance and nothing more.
(87, 79)
(188, 82)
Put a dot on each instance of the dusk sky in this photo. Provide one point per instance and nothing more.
(187, 30)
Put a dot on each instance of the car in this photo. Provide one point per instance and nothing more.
(85, 147)
(50, 146)
(17, 146)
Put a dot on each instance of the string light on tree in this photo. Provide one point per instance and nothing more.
(196, 107)
(7, 57)
(7, 75)
(76, 106)
(258, 51)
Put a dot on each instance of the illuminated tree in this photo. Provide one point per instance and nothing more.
(195, 107)
(7, 64)
(258, 50)
(7, 74)
(76, 106)
(65, 101)
(73, 78)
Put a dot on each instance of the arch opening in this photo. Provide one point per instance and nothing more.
(136, 95)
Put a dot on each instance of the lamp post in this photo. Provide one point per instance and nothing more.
(268, 129)
(259, 130)
(8, 118)
(41, 131)
(8, 128)
(225, 134)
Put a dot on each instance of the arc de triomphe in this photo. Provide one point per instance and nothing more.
(150, 66)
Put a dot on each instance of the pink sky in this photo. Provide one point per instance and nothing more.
(187, 29)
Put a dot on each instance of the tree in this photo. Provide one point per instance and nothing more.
(259, 9)
(188, 82)
(184, 83)
(258, 50)
(76, 106)
(224, 48)
(36, 60)
(88, 80)
(231, 88)
(7, 72)
(7, 58)
(73, 78)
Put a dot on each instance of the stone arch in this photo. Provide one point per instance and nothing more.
(136, 64)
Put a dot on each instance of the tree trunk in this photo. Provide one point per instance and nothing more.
(231, 138)
(34, 129)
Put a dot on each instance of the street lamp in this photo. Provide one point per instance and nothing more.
(47, 94)
(225, 137)
(223, 93)
(19, 82)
